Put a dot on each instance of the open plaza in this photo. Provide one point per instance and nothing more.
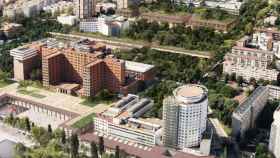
(43, 107)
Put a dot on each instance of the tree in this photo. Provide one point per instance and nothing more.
(19, 150)
(233, 77)
(249, 28)
(101, 145)
(63, 137)
(239, 80)
(40, 135)
(74, 146)
(227, 77)
(253, 81)
(262, 152)
(117, 152)
(27, 124)
(50, 129)
(228, 91)
(93, 150)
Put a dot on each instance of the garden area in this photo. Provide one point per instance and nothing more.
(103, 97)
(31, 88)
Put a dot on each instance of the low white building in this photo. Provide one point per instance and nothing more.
(106, 25)
(232, 6)
(67, 19)
(122, 121)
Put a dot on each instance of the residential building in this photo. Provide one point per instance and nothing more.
(231, 6)
(105, 6)
(185, 116)
(106, 25)
(67, 19)
(122, 4)
(274, 141)
(245, 115)
(60, 7)
(253, 57)
(274, 92)
(26, 8)
(85, 8)
(11, 30)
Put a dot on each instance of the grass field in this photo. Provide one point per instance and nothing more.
(31, 93)
(5, 83)
(84, 121)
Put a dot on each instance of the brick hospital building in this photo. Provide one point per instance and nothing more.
(81, 67)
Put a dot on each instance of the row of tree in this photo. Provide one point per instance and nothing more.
(195, 39)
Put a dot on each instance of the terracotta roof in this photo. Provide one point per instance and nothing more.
(150, 152)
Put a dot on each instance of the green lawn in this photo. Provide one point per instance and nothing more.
(31, 93)
(5, 83)
(92, 103)
(84, 121)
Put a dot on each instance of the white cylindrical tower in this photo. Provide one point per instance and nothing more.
(185, 116)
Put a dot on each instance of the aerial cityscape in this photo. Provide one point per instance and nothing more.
(139, 79)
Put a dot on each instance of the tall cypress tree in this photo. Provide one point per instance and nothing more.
(63, 137)
(117, 152)
(93, 150)
(49, 128)
(74, 146)
(27, 124)
(101, 145)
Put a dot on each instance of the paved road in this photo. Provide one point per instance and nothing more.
(122, 44)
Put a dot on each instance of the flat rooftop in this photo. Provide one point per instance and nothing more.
(190, 93)
(138, 67)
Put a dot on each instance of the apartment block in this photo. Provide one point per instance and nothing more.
(85, 8)
(274, 141)
(253, 57)
(245, 115)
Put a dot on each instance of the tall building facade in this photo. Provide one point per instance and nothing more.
(24, 62)
(245, 115)
(122, 4)
(274, 141)
(185, 116)
(254, 57)
(85, 8)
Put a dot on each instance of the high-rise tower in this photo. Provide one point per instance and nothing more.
(85, 8)
(185, 116)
